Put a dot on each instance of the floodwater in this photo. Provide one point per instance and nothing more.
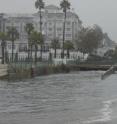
(75, 98)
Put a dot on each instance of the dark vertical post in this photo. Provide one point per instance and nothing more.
(41, 30)
(63, 35)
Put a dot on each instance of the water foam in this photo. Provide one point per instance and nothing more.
(106, 113)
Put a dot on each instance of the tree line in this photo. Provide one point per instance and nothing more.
(35, 38)
(88, 41)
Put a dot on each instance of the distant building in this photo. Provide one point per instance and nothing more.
(2, 22)
(107, 44)
(52, 25)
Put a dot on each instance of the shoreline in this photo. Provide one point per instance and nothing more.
(22, 73)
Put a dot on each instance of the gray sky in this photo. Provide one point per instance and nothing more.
(101, 12)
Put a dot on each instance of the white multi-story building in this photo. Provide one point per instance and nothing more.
(52, 24)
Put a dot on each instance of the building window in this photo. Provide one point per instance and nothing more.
(76, 35)
(45, 24)
(59, 35)
(22, 47)
(68, 35)
(68, 29)
(10, 46)
(59, 29)
(68, 23)
(59, 16)
(50, 23)
(50, 35)
(50, 29)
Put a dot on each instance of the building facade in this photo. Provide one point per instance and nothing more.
(52, 25)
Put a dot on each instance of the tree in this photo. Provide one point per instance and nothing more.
(3, 38)
(35, 39)
(81, 39)
(111, 54)
(55, 45)
(39, 4)
(89, 40)
(12, 36)
(68, 46)
(65, 5)
(29, 28)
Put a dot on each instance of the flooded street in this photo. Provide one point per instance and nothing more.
(76, 98)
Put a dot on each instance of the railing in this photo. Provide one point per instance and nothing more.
(96, 62)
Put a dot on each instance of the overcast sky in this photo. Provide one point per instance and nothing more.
(101, 12)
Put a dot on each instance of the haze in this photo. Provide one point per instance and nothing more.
(101, 12)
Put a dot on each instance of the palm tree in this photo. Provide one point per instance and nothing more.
(3, 38)
(65, 5)
(55, 44)
(39, 4)
(29, 28)
(68, 46)
(35, 38)
(12, 36)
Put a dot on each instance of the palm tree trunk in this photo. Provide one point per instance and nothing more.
(28, 50)
(68, 53)
(12, 51)
(55, 52)
(31, 52)
(2, 54)
(64, 34)
(41, 52)
(5, 55)
(40, 20)
(40, 31)
(35, 54)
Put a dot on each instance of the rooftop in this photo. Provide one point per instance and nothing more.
(52, 7)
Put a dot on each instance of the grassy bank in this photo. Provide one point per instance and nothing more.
(18, 73)
(27, 71)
